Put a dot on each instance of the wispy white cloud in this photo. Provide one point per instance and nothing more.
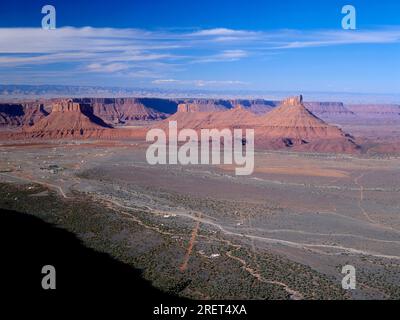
(223, 32)
(231, 54)
(223, 56)
(339, 37)
(161, 53)
(111, 67)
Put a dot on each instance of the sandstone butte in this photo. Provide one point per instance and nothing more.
(288, 126)
(72, 120)
(293, 125)
(67, 119)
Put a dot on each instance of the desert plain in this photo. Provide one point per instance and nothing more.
(202, 232)
(319, 212)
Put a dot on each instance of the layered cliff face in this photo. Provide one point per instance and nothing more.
(293, 119)
(329, 110)
(376, 111)
(201, 106)
(293, 125)
(16, 115)
(68, 119)
(34, 113)
(237, 117)
(290, 125)
(122, 110)
(257, 106)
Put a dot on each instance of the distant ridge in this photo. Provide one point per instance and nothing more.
(24, 91)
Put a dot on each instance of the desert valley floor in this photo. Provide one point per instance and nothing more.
(285, 232)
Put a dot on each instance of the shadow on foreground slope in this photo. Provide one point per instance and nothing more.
(28, 243)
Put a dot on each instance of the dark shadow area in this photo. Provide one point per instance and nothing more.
(15, 110)
(28, 243)
(87, 110)
(163, 105)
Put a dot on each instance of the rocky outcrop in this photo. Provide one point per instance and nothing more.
(196, 107)
(203, 105)
(68, 119)
(237, 117)
(289, 126)
(257, 106)
(122, 110)
(294, 120)
(24, 114)
(34, 113)
(294, 126)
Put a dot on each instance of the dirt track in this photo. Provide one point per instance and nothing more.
(321, 221)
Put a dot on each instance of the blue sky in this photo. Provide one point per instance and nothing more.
(236, 45)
